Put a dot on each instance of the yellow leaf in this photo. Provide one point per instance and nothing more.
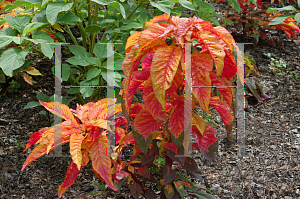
(28, 79)
(57, 27)
(32, 71)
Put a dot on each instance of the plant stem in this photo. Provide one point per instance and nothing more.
(78, 96)
(89, 12)
(71, 34)
(37, 50)
(94, 34)
(81, 28)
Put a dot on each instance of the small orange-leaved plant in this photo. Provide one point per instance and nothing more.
(87, 135)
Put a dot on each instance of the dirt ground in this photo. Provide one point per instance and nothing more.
(269, 169)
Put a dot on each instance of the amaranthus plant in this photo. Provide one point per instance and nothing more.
(253, 19)
(154, 130)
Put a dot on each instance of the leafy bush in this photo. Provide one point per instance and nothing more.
(157, 131)
(253, 18)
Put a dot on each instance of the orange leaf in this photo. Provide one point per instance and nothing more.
(199, 123)
(37, 152)
(153, 32)
(169, 191)
(65, 111)
(164, 17)
(75, 148)
(145, 124)
(132, 41)
(215, 49)
(163, 69)
(32, 71)
(27, 78)
(101, 162)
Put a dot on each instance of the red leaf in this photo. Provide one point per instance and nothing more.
(35, 137)
(72, 174)
(144, 171)
(224, 111)
(178, 121)
(151, 101)
(145, 124)
(138, 77)
(209, 137)
(147, 61)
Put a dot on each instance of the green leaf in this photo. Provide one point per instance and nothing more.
(100, 50)
(203, 195)
(2, 77)
(281, 9)
(18, 22)
(131, 26)
(93, 29)
(42, 38)
(32, 104)
(44, 2)
(235, 5)
(85, 86)
(68, 18)
(164, 5)
(187, 4)
(77, 61)
(79, 51)
(94, 61)
(278, 20)
(106, 21)
(40, 17)
(43, 97)
(92, 73)
(34, 1)
(119, 7)
(203, 4)
(54, 8)
(12, 59)
(5, 41)
(297, 16)
(298, 2)
(33, 26)
(65, 72)
(73, 91)
(101, 2)
(43, 113)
